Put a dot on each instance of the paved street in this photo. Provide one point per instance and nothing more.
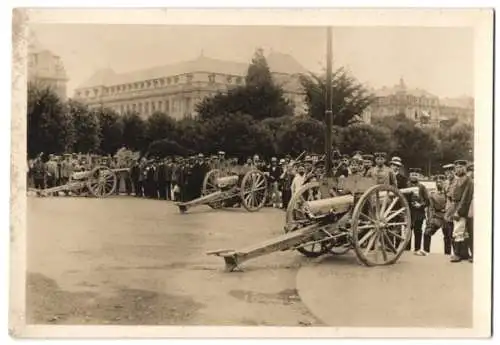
(135, 261)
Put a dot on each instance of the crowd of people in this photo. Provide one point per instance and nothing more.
(449, 207)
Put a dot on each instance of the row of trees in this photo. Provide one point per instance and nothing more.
(254, 118)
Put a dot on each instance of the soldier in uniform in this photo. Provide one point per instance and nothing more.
(435, 219)
(418, 203)
(449, 171)
(381, 173)
(367, 164)
(461, 199)
(52, 171)
(39, 173)
(66, 170)
(470, 216)
(274, 177)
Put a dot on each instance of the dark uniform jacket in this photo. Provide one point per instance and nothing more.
(402, 181)
(461, 196)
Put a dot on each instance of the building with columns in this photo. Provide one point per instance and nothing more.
(176, 89)
(46, 69)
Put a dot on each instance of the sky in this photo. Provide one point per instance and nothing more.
(439, 60)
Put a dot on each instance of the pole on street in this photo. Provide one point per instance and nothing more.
(328, 105)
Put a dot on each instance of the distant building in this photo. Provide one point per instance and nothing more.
(176, 89)
(418, 105)
(45, 69)
(461, 108)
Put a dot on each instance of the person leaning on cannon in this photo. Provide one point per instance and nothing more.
(461, 199)
(435, 219)
(418, 204)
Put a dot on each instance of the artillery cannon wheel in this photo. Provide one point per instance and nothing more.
(381, 225)
(295, 214)
(101, 181)
(253, 191)
(210, 186)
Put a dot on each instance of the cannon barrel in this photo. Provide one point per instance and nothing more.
(227, 181)
(338, 204)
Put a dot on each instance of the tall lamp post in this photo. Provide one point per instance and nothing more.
(328, 110)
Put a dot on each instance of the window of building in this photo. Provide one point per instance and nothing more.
(211, 78)
(169, 80)
(140, 108)
(229, 79)
(87, 93)
(153, 107)
(146, 107)
(167, 106)
(176, 79)
(189, 77)
(238, 80)
(162, 82)
(160, 105)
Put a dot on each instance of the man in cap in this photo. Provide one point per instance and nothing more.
(396, 164)
(461, 199)
(381, 173)
(367, 164)
(470, 216)
(418, 202)
(449, 173)
(66, 170)
(435, 219)
(275, 172)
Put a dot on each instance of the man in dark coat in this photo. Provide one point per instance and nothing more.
(461, 199)
(418, 203)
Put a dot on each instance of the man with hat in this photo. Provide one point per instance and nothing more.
(435, 219)
(66, 170)
(418, 203)
(367, 164)
(449, 173)
(396, 164)
(460, 202)
(381, 173)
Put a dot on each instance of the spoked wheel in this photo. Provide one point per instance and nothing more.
(210, 186)
(253, 191)
(381, 225)
(295, 214)
(102, 182)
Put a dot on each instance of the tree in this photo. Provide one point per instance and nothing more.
(134, 132)
(86, 127)
(160, 126)
(457, 142)
(349, 97)
(167, 147)
(304, 134)
(238, 135)
(111, 130)
(191, 134)
(415, 145)
(49, 128)
(393, 122)
(365, 138)
(258, 73)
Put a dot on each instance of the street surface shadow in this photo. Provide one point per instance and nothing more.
(46, 303)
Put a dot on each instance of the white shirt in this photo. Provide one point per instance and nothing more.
(297, 182)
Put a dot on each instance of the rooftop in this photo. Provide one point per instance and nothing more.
(402, 88)
(278, 63)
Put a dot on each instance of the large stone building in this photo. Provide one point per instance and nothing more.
(418, 105)
(415, 104)
(176, 89)
(45, 69)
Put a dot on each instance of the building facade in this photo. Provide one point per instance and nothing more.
(45, 69)
(177, 89)
(418, 105)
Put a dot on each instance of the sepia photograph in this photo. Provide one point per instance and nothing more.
(263, 170)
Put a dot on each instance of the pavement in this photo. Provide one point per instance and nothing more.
(129, 261)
